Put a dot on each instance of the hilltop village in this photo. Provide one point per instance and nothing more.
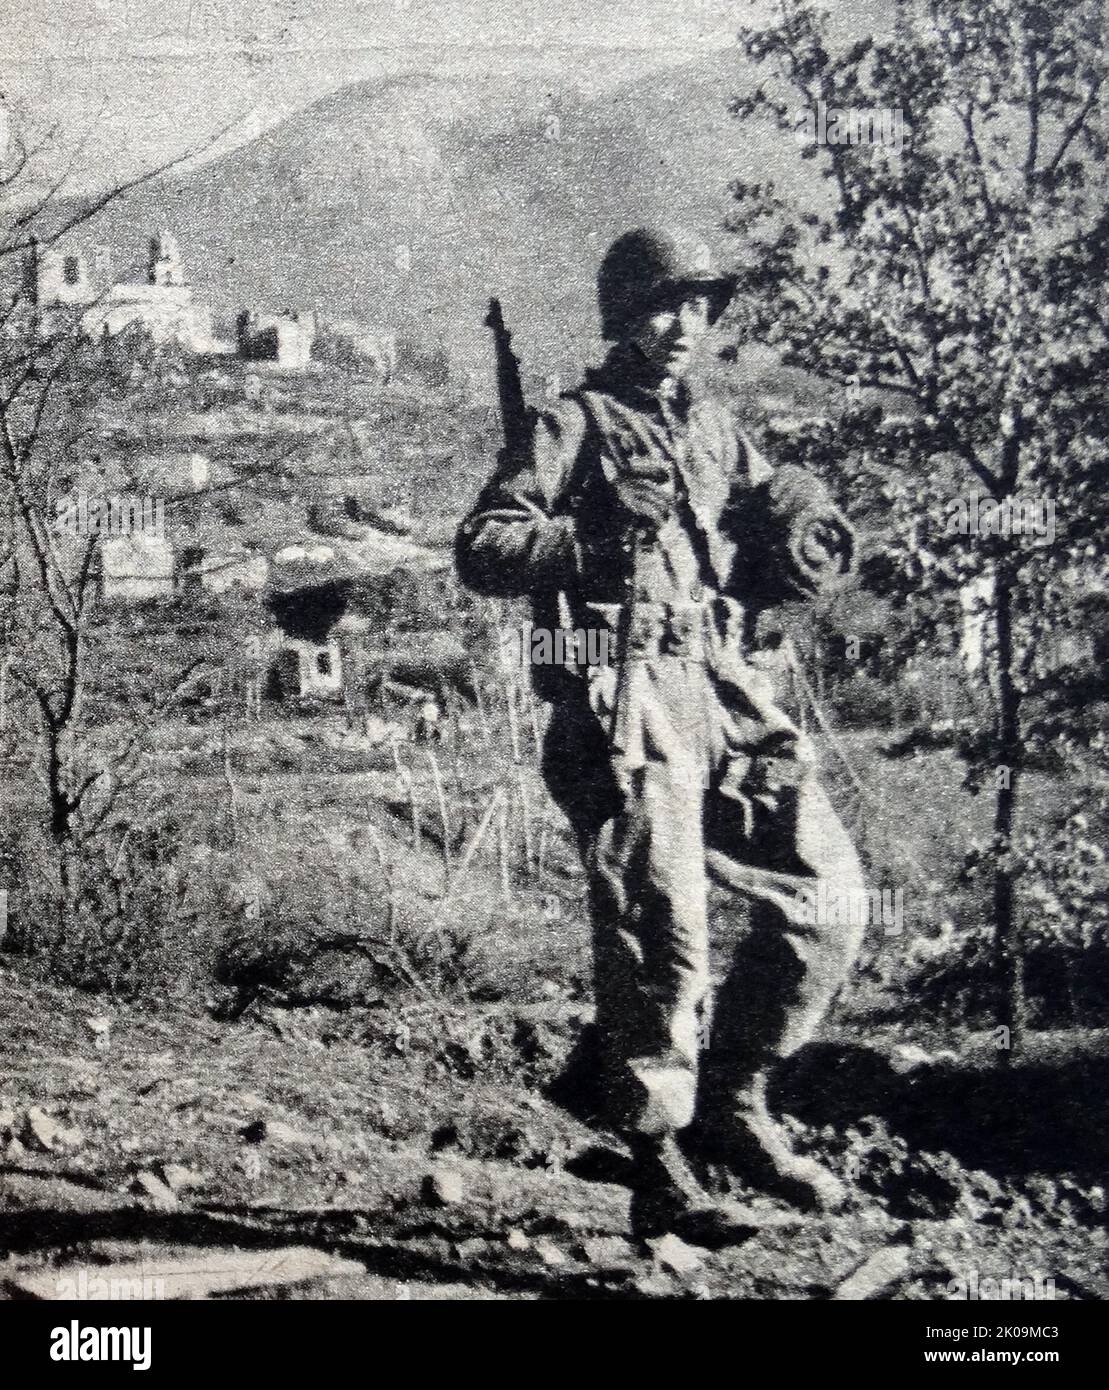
(274, 467)
(304, 475)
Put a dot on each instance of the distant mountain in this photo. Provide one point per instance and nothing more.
(406, 202)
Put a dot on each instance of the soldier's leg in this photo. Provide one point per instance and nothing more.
(581, 782)
(788, 967)
(785, 972)
(643, 853)
(651, 945)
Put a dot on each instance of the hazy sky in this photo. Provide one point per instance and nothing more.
(148, 77)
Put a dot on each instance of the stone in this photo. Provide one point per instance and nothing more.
(178, 1178)
(609, 1252)
(443, 1188)
(154, 1192)
(250, 1163)
(657, 1285)
(550, 1254)
(907, 1057)
(100, 1026)
(40, 1130)
(472, 1248)
(43, 1133)
(877, 1273)
(671, 1253)
(190, 1276)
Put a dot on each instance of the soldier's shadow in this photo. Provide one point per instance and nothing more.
(1045, 1116)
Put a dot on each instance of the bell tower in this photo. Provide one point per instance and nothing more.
(164, 267)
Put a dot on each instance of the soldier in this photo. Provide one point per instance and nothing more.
(640, 509)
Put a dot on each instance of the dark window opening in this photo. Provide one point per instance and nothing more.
(323, 663)
(71, 270)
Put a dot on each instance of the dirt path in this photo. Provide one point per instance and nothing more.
(376, 1166)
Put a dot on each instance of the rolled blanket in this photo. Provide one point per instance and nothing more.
(794, 541)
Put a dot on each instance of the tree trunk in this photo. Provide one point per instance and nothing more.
(62, 827)
(1009, 955)
(61, 811)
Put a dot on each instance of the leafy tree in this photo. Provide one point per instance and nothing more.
(954, 289)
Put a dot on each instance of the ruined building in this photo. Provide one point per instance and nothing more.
(64, 288)
(57, 283)
(165, 266)
(60, 280)
(285, 339)
(164, 306)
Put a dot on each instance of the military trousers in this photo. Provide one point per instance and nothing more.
(688, 840)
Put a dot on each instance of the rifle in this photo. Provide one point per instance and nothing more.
(517, 419)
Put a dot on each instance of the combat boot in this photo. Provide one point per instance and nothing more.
(668, 1199)
(745, 1139)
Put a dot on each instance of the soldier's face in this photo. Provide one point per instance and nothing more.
(668, 337)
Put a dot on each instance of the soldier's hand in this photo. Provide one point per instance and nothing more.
(825, 540)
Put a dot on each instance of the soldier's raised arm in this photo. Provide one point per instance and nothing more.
(518, 539)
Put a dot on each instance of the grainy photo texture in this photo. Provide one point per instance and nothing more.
(552, 615)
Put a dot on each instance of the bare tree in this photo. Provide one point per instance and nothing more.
(48, 393)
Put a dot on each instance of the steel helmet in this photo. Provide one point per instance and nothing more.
(651, 266)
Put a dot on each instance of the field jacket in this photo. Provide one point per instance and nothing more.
(741, 536)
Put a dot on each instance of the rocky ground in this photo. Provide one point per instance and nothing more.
(311, 1153)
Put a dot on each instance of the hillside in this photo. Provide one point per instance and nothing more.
(491, 183)
(352, 1077)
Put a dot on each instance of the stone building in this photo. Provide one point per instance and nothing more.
(137, 566)
(304, 668)
(59, 282)
(164, 266)
(167, 313)
(284, 339)
(56, 279)
(164, 307)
